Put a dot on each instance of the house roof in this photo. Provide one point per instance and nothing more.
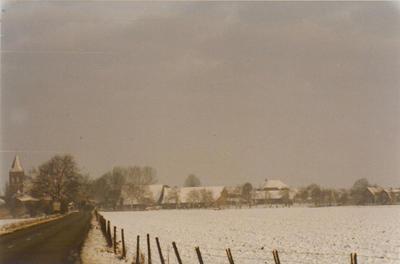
(16, 166)
(274, 185)
(184, 191)
(375, 190)
(23, 197)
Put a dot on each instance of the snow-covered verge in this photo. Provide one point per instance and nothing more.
(301, 235)
(10, 225)
(95, 250)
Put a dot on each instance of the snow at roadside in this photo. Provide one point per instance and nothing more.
(7, 221)
(312, 235)
(9, 225)
(95, 248)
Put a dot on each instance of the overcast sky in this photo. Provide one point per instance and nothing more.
(233, 92)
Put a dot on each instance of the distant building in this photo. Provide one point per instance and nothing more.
(274, 185)
(273, 192)
(16, 176)
(378, 195)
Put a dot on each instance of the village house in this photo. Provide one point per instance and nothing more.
(273, 192)
(395, 193)
(370, 195)
(234, 197)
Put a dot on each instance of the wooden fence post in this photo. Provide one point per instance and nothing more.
(177, 253)
(109, 241)
(115, 239)
(148, 248)
(230, 258)
(230, 254)
(137, 250)
(276, 257)
(353, 258)
(123, 243)
(199, 255)
(159, 251)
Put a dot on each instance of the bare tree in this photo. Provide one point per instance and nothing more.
(207, 197)
(193, 197)
(174, 196)
(58, 178)
(140, 176)
(192, 181)
(246, 192)
(138, 181)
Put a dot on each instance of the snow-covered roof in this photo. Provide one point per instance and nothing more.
(184, 191)
(156, 190)
(16, 166)
(23, 197)
(275, 185)
(375, 190)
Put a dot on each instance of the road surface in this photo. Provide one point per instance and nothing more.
(53, 242)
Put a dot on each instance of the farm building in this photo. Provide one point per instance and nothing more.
(395, 194)
(234, 196)
(274, 185)
(370, 195)
(195, 197)
(273, 192)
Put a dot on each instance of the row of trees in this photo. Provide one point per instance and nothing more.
(328, 197)
(107, 189)
(60, 180)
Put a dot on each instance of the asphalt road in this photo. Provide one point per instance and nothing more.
(53, 242)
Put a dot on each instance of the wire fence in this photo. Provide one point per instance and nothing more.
(147, 251)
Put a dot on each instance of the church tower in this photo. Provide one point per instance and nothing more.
(17, 175)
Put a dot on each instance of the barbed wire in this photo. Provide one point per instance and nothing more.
(205, 252)
(378, 257)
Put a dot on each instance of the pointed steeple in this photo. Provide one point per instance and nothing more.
(16, 166)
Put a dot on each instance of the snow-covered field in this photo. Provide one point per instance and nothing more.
(301, 235)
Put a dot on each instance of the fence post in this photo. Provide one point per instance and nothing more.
(148, 248)
(177, 252)
(159, 251)
(109, 234)
(276, 257)
(115, 239)
(353, 258)
(230, 254)
(123, 243)
(137, 250)
(199, 255)
(230, 258)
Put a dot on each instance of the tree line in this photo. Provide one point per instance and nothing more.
(60, 180)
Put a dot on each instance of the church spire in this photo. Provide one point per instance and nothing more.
(17, 176)
(16, 166)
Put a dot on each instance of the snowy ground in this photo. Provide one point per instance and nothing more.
(301, 235)
(7, 221)
(8, 225)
